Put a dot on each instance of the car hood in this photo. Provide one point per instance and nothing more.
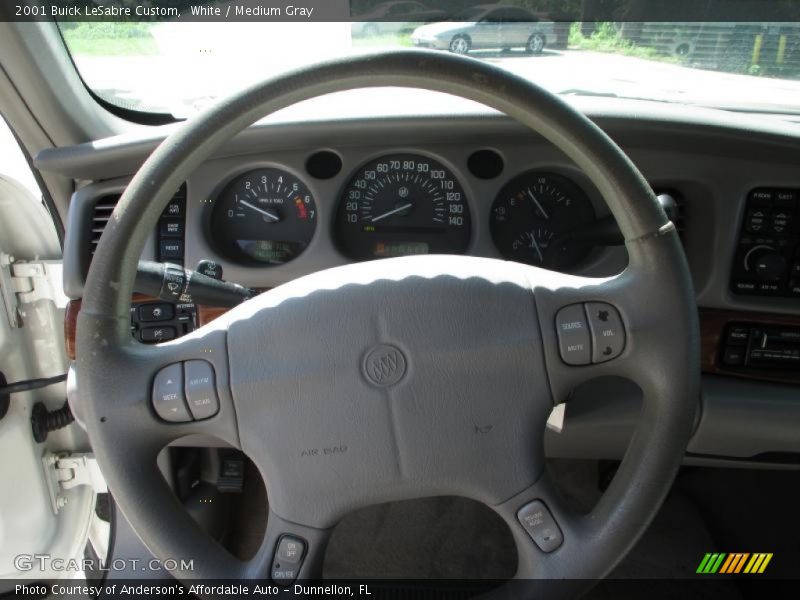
(445, 27)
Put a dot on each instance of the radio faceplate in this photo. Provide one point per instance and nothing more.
(767, 260)
(761, 346)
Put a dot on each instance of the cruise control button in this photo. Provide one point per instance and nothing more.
(541, 526)
(574, 342)
(201, 392)
(608, 334)
(288, 559)
(290, 550)
(168, 398)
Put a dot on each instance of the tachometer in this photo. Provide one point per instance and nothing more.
(400, 205)
(531, 214)
(264, 216)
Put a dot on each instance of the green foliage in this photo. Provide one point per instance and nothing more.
(385, 39)
(607, 38)
(99, 38)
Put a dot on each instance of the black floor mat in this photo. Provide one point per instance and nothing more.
(457, 538)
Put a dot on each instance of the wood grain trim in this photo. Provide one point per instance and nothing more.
(71, 321)
(206, 314)
(70, 325)
(712, 327)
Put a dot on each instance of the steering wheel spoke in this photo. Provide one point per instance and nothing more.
(178, 389)
(617, 326)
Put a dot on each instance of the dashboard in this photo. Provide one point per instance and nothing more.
(285, 199)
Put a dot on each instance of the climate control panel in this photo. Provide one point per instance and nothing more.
(767, 259)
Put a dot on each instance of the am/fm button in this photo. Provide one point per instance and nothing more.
(201, 389)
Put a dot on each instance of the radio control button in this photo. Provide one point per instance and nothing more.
(608, 333)
(169, 400)
(201, 391)
(733, 356)
(737, 336)
(756, 221)
(574, 341)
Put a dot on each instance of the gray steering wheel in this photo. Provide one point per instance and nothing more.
(400, 378)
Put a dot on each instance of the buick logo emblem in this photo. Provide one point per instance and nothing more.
(384, 365)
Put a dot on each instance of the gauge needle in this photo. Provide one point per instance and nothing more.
(392, 212)
(266, 213)
(536, 202)
(536, 247)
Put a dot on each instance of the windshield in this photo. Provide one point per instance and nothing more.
(470, 14)
(177, 67)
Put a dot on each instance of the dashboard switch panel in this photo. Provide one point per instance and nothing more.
(767, 257)
(155, 322)
(171, 229)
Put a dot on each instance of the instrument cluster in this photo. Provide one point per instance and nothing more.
(401, 204)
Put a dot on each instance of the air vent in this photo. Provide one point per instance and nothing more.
(680, 218)
(105, 205)
(100, 217)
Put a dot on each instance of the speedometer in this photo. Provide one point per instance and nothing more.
(400, 205)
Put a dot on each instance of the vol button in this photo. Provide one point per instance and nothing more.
(608, 334)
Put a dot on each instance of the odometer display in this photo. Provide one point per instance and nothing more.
(400, 205)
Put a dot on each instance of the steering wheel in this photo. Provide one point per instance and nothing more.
(400, 378)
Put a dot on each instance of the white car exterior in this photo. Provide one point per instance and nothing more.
(490, 27)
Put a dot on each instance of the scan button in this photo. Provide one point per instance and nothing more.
(201, 389)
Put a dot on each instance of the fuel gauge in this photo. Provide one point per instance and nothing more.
(532, 211)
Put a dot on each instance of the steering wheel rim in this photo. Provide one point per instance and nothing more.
(653, 295)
